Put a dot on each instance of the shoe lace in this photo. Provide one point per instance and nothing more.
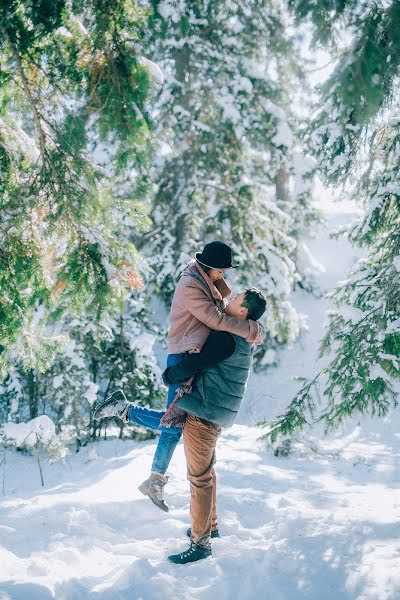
(159, 490)
(189, 551)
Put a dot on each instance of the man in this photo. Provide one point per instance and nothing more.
(218, 390)
(221, 372)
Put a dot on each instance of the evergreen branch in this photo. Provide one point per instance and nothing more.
(27, 90)
(295, 416)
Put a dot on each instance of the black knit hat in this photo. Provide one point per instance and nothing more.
(216, 255)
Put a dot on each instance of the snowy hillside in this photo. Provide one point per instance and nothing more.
(323, 523)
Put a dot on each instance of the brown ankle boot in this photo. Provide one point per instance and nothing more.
(153, 487)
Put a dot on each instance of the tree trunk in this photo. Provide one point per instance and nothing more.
(92, 423)
(183, 172)
(36, 453)
(282, 184)
(32, 391)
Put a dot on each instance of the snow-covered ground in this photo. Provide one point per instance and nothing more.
(322, 524)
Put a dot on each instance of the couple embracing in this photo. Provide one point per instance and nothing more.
(210, 343)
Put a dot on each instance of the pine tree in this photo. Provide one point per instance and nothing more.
(71, 85)
(363, 81)
(94, 359)
(226, 165)
(75, 142)
(356, 138)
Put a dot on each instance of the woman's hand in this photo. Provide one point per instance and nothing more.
(260, 335)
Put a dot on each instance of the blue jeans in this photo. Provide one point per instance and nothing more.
(167, 442)
(151, 419)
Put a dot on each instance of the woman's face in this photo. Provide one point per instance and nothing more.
(215, 274)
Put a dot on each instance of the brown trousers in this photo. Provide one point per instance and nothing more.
(199, 440)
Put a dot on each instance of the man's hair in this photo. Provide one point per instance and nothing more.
(255, 303)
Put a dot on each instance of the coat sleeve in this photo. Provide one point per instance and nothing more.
(201, 307)
(219, 346)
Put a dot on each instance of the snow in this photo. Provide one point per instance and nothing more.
(393, 327)
(376, 371)
(153, 69)
(254, 69)
(58, 381)
(71, 350)
(269, 357)
(320, 523)
(168, 10)
(351, 313)
(295, 527)
(227, 103)
(91, 392)
(283, 135)
(144, 343)
(14, 134)
(391, 357)
(27, 434)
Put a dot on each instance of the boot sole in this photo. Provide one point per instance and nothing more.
(143, 490)
(173, 558)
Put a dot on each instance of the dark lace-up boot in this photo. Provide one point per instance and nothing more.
(195, 552)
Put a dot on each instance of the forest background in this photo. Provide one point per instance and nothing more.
(133, 133)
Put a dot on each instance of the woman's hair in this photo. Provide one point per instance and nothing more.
(255, 303)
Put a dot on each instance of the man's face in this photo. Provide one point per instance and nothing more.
(235, 307)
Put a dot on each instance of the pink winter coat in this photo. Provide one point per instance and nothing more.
(197, 307)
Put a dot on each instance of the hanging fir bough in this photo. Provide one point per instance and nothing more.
(69, 81)
(74, 136)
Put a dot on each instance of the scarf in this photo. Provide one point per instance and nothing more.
(175, 416)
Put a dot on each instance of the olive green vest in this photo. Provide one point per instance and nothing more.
(218, 392)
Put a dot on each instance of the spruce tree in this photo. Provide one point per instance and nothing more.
(225, 168)
(70, 84)
(75, 141)
(355, 137)
(93, 361)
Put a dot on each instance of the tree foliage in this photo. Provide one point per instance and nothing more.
(226, 168)
(70, 83)
(356, 139)
(75, 137)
